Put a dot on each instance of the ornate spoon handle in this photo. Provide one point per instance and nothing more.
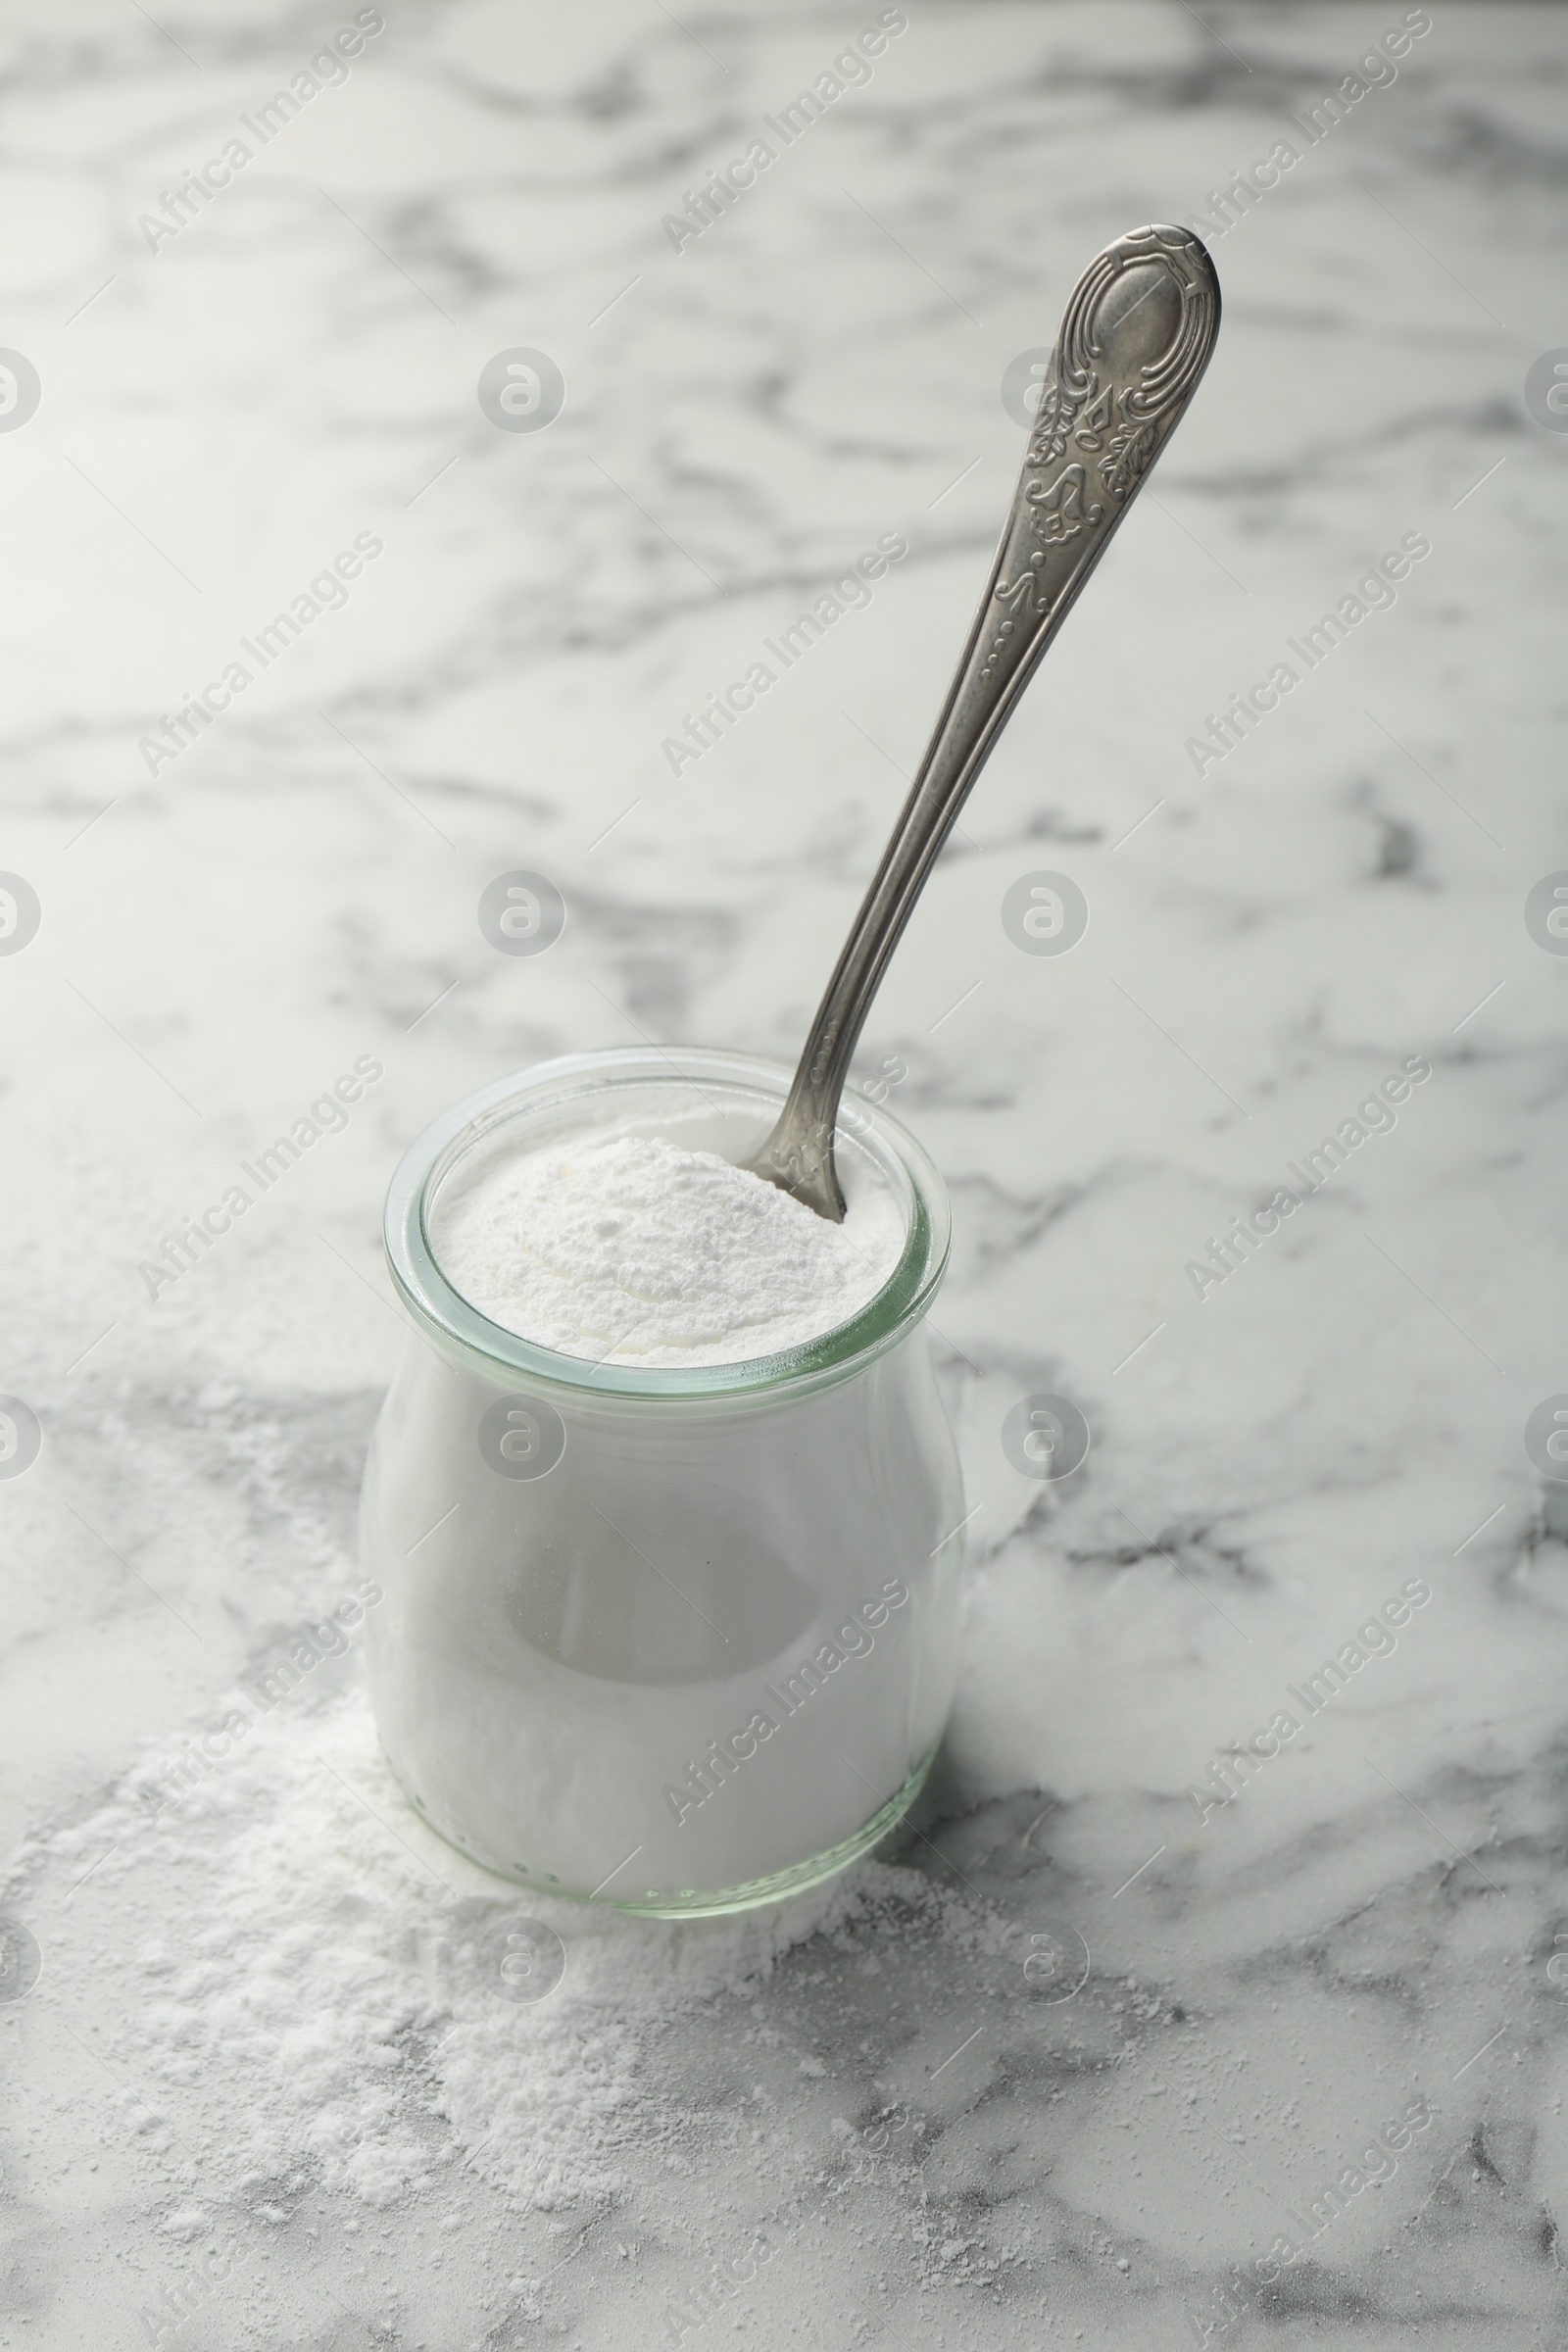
(1135, 339)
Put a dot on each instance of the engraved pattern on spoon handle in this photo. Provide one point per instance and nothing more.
(1135, 339)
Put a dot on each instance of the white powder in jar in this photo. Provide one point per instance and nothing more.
(634, 1248)
(551, 1665)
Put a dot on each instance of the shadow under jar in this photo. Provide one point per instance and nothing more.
(677, 1639)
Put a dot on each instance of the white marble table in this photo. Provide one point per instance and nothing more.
(189, 2152)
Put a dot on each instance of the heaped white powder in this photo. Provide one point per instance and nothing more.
(637, 1250)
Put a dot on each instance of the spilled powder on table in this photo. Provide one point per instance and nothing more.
(291, 1990)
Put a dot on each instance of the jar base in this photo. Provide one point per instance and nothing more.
(750, 1894)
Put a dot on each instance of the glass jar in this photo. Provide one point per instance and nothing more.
(676, 1639)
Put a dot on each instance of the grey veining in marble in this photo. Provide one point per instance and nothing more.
(1366, 1929)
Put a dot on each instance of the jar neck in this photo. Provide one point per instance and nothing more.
(636, 1082)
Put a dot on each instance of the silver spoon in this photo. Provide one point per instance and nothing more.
(1134, 341)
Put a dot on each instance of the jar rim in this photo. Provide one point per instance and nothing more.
(441, 1312)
